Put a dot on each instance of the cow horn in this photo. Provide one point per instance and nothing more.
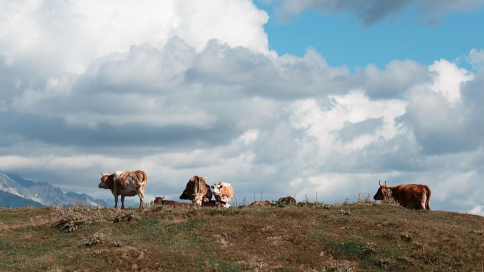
(385, 183)
(101, 173)
(379, 182)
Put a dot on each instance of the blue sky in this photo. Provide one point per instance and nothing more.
(343, 40)
(281, 96)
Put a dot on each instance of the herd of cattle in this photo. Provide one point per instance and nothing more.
(412, 196)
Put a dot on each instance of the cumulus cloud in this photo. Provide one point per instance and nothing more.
(175, 98)
(475, 58)
(369, 12)
(53, 36)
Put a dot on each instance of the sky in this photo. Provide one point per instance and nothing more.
(277, 97)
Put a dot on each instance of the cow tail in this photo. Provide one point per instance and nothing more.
(427, 203)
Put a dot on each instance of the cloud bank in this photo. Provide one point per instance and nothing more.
(370, 12)
(174, 90)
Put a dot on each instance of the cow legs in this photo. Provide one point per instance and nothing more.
(115, 201)
(141, 200)
(423, 201)
(122, 201)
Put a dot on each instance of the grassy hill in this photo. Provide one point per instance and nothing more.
(311, 237)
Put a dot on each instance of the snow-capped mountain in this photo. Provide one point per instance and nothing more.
(42, 192)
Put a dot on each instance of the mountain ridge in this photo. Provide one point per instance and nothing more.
(41, 192)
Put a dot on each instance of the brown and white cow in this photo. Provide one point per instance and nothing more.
(223, 193)
(411, 196)
(125, 184)
(197, 191)
(288, 200)
(170, 203)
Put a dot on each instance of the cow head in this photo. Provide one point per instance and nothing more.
(184, 195)
(217, 190)
(158, 200)
(382, 192)
(107, 181)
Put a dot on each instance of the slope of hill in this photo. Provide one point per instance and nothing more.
(9, 200)
(317, 237)
(41, 192)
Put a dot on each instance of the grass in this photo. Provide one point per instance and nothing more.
(360, 236)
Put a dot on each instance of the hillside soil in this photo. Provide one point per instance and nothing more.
(308, 237)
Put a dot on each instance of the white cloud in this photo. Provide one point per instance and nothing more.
(172, 89)
(479, 210)
(448, 79)
(54, 36)
(475, 58)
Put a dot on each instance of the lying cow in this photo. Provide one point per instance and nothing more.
(197, 191)
(411, 196)
(125, 184)
(261, 203)
(223, 193)
(170, 203)
(211, 203)
(288, 200)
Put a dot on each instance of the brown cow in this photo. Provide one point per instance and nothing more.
(197, 191)
(261, 203)
(171, 203)
(411, 196)
(223, 193)
(288, 200)
(211, 203)
(125, 184)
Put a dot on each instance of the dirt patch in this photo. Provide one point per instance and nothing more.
(221, 240)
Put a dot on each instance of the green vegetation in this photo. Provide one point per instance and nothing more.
(360, 236)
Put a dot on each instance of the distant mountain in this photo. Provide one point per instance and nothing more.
(42, 192)
(8, 200)
(25, 183)
(85, 198)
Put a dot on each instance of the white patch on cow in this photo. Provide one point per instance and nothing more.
(198, 199)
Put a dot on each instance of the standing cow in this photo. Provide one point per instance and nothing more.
(197, 191)
(411, 196)
(125, 184)
(223, 193)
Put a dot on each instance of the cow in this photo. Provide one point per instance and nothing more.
(288, 200)
(211, 203)
(411, 196)
(261, 203)
(197, 191)
(125, 184)
(171, 203)
(223, 193)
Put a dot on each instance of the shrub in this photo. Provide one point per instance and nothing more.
(71, 218)
(95, 239)
(124, 216)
